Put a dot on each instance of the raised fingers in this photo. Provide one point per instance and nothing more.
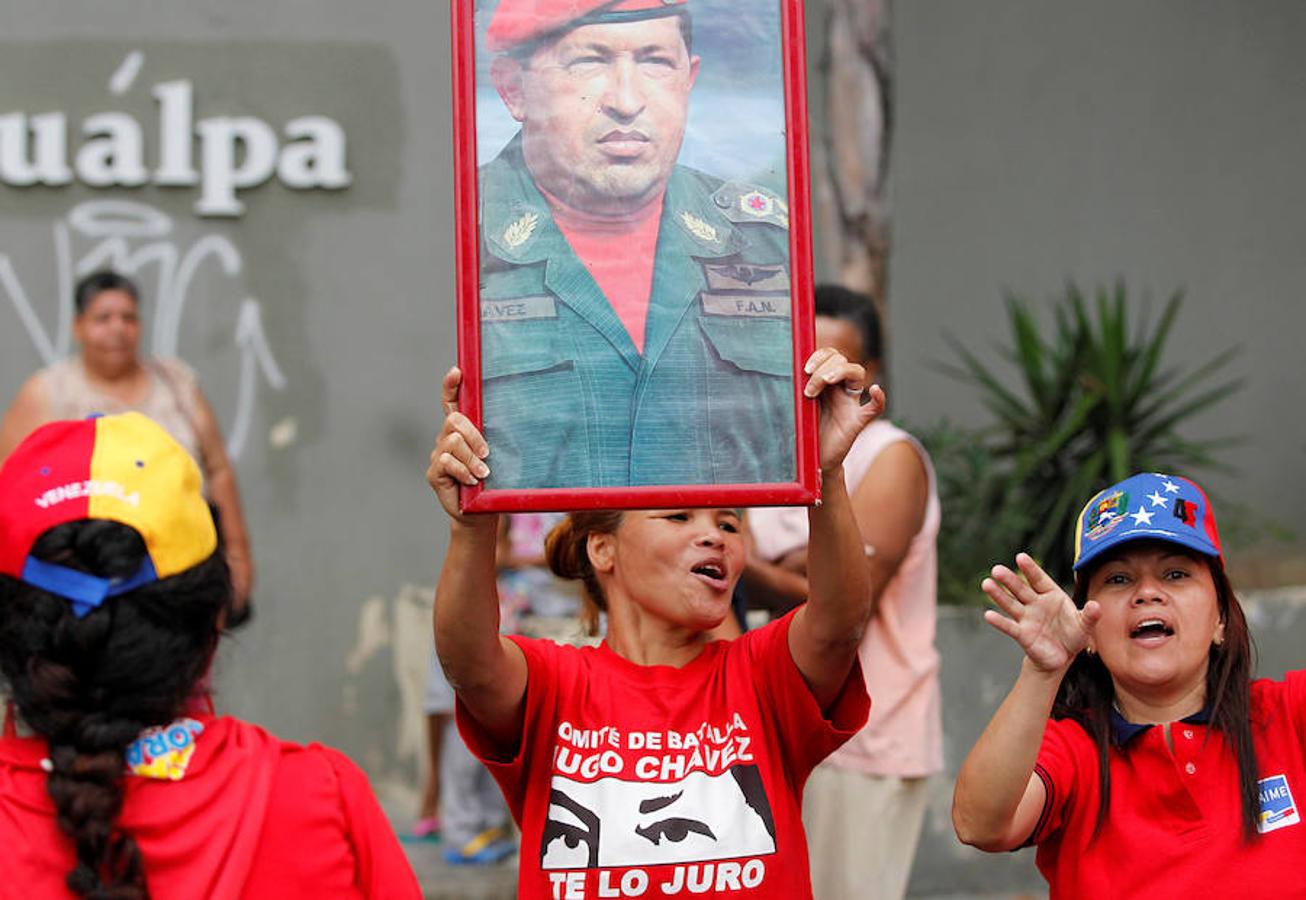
(873, 396)
(1001, 596)
(1091, 613)
(1015, 585)
(449, 465)
(449, 386)
(1009, 627)
(460, 451)
(457, 423)
(834, 369)
(1038, 579)
(818, 357)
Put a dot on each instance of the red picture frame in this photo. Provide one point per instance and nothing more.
(804, 489)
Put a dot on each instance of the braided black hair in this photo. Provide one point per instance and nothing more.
(90, 685)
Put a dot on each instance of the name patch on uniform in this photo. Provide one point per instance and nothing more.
(753, 305)
(1277, 807)
(744, 277)
(519, 309)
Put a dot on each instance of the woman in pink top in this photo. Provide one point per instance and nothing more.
(108, 375)
(864, 806)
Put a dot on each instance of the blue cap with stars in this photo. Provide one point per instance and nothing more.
(1146, 505)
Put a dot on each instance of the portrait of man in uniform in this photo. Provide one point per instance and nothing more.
(635, 312)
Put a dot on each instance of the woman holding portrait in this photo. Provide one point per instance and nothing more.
(660, 760)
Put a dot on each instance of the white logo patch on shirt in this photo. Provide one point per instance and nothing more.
(1278, 809)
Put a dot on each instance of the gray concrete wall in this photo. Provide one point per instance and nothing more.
(1043, 140)
(319, 320)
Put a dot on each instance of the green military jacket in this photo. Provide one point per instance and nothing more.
(569, 402)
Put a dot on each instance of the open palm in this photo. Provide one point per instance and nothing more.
(1039, 616)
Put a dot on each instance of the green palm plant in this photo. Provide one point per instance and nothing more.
(1092, 403)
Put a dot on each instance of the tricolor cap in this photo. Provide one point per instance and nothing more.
(519, 23)
(124, 468)
(1147, 505)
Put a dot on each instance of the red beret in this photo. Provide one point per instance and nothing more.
(518, 22)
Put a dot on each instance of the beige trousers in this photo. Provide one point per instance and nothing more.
(862, 832)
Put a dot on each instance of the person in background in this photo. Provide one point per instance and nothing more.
(524, 574)
(461, 804)
(437, 708)
(117, 779)
(472, 812)
(108, 375)
(865, 805)
(1134, 750)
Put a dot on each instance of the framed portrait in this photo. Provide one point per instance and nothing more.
(634, 252)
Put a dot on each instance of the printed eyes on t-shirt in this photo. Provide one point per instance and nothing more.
(557, 827)
(674, 830)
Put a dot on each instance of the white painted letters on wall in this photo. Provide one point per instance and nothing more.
(175, 115)
(41, 160)
(314, 155)
(113, 153)
(235, 152)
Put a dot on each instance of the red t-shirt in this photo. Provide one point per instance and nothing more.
(667, 782)
(247, 816)
(619, 256)
(1174, 825)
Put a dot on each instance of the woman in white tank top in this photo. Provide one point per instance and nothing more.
(108, 376)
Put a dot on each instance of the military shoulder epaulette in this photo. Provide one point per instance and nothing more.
(741, 202)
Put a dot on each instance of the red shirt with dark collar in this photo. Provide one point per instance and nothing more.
(1174, 824)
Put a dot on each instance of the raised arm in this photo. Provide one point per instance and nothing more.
(220, 476)
(998, 798)
(889, 506)
(827, 631)
(487, 671)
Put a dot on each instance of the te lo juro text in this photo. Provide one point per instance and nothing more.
(695, 878)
